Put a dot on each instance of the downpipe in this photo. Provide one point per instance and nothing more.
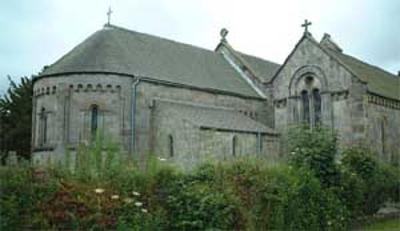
(132, 148)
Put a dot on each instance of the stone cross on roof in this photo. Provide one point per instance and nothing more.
(306, 24)
(224, 32)
(109, 15)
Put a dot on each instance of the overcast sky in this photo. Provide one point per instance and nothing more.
(35, 33)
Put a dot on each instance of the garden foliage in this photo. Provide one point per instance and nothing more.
(107, 191)
(16, 119)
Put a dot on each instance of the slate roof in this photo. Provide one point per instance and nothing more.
(117, 50)
(378, 80)
(209, 117)
(264, 69)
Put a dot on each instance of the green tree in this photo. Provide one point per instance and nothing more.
(16, 118)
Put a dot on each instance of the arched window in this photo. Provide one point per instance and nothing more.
(171, 145)
(317, 106)
(234, 145)
(310, 100)
(94, 120)
(306, 106)
(42, 127)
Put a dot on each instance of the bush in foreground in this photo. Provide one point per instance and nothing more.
(378, 182)
(359, 180)
(230, 196)
(109, 192)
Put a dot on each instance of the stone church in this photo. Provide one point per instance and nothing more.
(184, 103)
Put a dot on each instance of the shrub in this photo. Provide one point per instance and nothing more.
(308, 206)
(258, 190)
(280, 198)
(247, 193)
(350, 192)
(21, 189)
(360, 161)
(391, 182)
(199, 207)
(381, 180)
(314, 149)
(196, 202)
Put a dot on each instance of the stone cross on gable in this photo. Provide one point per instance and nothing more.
(109, 15)
(306, 24)
(224, 32)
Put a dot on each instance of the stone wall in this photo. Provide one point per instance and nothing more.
(67, 101)
(181, 141)
(334, 81)
(347, 106)
(148, 92)
(308, 54)
(342, 95)
(383, 130)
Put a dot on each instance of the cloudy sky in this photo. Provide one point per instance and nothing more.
(35, 33)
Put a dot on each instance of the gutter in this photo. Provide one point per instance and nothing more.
(259, 142)
(240, 131)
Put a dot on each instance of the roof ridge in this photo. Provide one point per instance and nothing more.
(161, 38)
(257, 57)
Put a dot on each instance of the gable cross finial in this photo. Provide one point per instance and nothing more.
(224, 32)
(109, 15)
(306, 24)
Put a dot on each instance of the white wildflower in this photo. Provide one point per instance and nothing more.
(138, 204)
(144, 210)
(161, 159)
(114, 197)
(128, 200)
(135, 193)
(99, 190)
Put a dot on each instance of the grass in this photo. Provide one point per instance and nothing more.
(384, 225)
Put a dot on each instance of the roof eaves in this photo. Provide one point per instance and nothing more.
(213, 90)
(154, 80)
(237, 130)
(381, 95)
